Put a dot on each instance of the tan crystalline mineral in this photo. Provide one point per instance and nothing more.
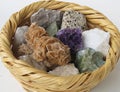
(46, 48)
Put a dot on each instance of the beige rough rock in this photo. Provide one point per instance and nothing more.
(65, 70)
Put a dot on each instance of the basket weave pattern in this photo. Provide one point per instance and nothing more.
(34, 80)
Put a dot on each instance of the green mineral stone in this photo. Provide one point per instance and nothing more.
(52, 29)
(88, 60)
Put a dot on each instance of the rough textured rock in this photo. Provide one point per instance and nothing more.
(35, 32)
(32, 62)
(19, 38)
(52, 50)
(44, 17)
(74, 19)
(97, 39)
(45, 48)
(25, 49)
(65, 70)
(88, 60)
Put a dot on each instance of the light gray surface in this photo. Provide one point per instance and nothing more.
(109, 8)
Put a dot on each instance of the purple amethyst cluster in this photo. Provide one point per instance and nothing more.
(72, 38)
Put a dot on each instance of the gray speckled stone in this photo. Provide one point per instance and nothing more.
(74, 19)
(88, 60)
(44, 17)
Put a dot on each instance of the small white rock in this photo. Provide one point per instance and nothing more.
(19, 35)
(19, 39)
(65, 70)
(97, 39)
(32, 62)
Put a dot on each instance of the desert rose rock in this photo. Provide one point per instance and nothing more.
(45, 48)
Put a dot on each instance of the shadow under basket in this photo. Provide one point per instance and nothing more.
(34, 80)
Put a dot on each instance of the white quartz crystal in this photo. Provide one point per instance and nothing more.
(29, 60)
(19, 35)
(19, 39)
(97, 39)
(65, 70)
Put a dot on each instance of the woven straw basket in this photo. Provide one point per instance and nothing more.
(34, 80)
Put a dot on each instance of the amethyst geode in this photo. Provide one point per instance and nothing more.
(72, 38)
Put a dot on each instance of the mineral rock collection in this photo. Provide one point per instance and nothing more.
(60, 43)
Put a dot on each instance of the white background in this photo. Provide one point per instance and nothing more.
(109, 8)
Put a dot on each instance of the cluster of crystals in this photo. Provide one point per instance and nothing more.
(72, 38)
